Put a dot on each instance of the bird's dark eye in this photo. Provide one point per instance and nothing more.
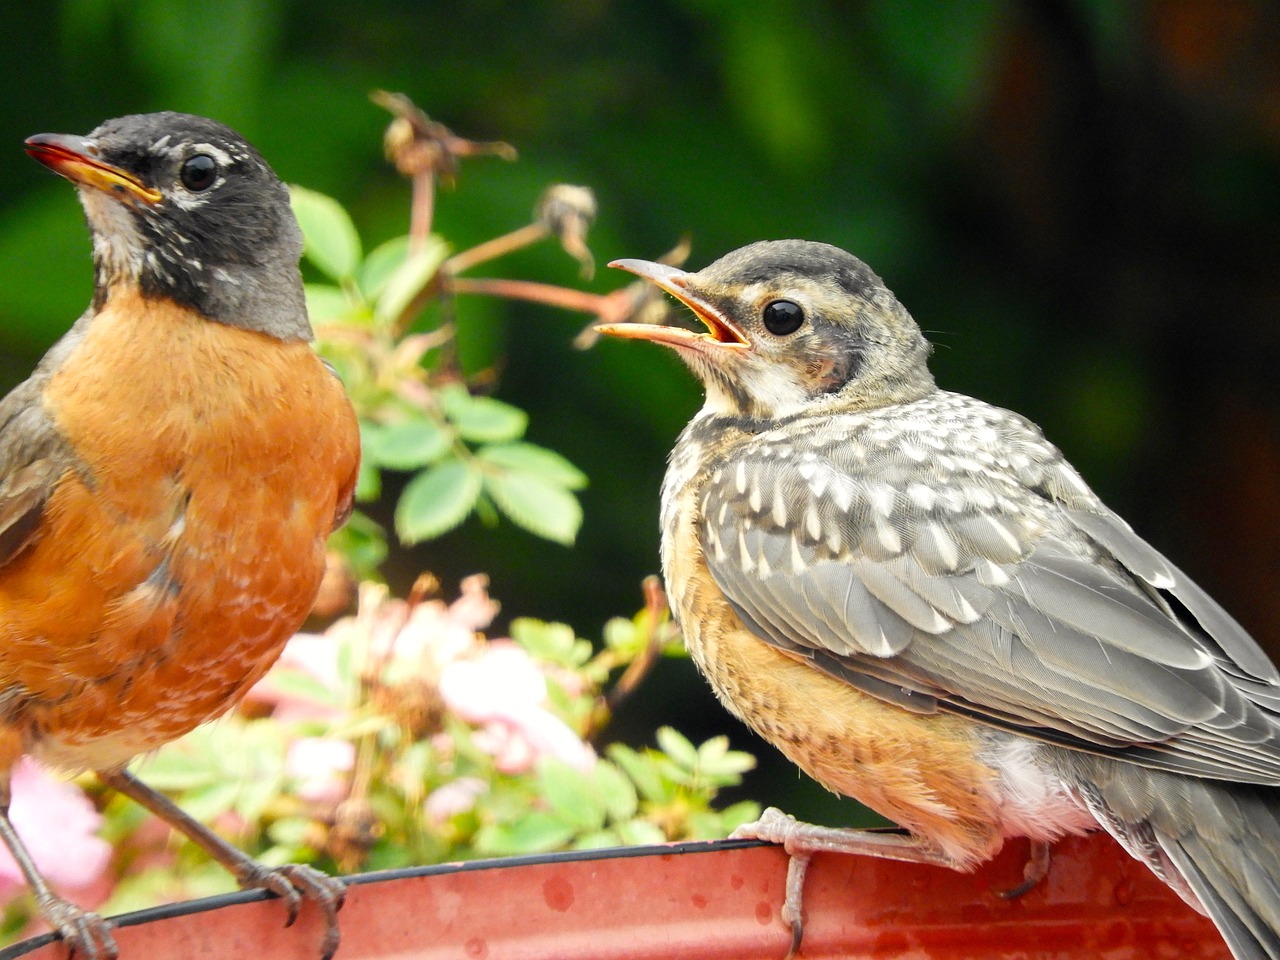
(199, 172)
(782, 317)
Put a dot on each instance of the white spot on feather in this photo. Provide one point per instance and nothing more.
(888, 536)
(779, 512)
(990, 575)
(922, 496)
(881, 497)
(948, 553)
(763, 570)
(1004, 534)
(843, 491)
(812, 523)
(798, 565)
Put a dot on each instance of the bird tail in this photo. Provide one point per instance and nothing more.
(1231, 861)
(1216, 843)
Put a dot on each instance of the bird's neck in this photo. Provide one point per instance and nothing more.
(257, 299)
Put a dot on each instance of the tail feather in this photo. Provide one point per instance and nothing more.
(1216, 843)
(1218, 886)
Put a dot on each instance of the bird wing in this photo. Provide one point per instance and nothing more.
(33, 456)
(969, 569)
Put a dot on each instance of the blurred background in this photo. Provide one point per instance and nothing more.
(1079, 201)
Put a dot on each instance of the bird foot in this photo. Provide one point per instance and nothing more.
(291, 883)
(802, 840)
(87, 935)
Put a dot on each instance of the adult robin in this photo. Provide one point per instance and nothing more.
(919, 601)
(168, 477)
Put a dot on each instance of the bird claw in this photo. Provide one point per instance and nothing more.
(802, 840)
(774, 826)
(1033, 871)
(294, 881)
(87, 935)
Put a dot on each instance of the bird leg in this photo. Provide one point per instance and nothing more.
(86, 934)
(1033, 871)
(803, 840)
(291, 882)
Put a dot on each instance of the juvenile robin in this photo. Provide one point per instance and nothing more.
(920, 602)
(168, 477)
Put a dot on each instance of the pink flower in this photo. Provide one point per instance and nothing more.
(503, 691)
(455, 797)
(312, 657)
(320, 766)
(57, 823)
(392, 639)
(435, 633)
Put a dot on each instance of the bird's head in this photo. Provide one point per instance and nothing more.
(183, 207)
(791, 326)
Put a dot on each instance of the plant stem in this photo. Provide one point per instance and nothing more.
(554, 296)
(498, 246)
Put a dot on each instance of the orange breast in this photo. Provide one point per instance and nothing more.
(920, 771)
(171, 570)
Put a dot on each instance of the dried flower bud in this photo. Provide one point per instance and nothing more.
(415, 704)
(568, 212)
(416, 144)
(355, 830)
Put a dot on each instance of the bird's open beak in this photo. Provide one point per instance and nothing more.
(721, 332)
(73, 157)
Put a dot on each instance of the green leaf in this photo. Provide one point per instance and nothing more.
(571, 795)
(551, 642)
(597, 840)
(673, 772)
(407, 445)
(330, 238)
(534, 460)
(709, 751)
(616, 791)
(641, 833)
(175, 769)
(275, 856)
(206, 803)
(642, 770)
(535, 832)
(256, 794)
(736, 814)
(676, 746)
(363, 543)
(290, 831)
(408, 280)
(297, 685)
(704, 825)
(368, 482)
(540, 507)
(482, 419)
(326, 302)
(379, 265)
(728, 767)
(436, 501)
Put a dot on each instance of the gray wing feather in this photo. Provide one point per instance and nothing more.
(1144, 561)
(1013, 596)
(32, 458)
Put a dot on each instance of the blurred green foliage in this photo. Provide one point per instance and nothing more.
(465, 451)
(1079, 200)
